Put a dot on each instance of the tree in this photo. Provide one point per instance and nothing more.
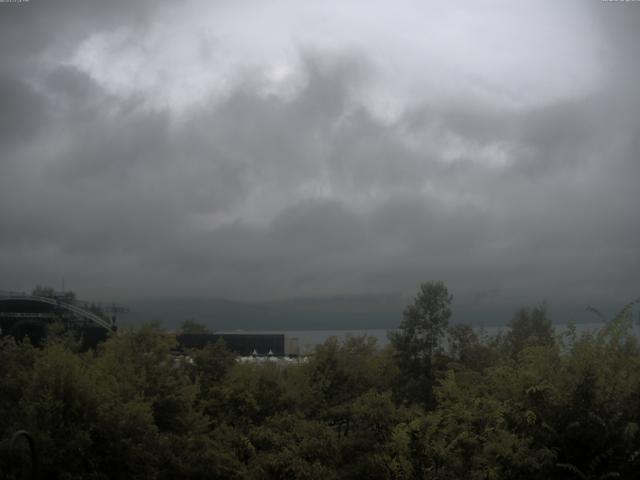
(340, 371)
(462, 338)
(290, 447)
(426, 319)
(530, 328)
(212, 364)
(193, 327)
(418, 339)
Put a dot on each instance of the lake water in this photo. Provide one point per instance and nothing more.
(308, 339)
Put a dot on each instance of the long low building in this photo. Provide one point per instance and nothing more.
(244, 344)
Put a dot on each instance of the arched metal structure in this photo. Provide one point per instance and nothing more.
(80, 312)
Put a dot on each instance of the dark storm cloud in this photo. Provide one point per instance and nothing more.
(258, 195)
(24, 111)
(34, 28)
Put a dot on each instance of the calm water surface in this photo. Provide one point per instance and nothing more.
(308, 339)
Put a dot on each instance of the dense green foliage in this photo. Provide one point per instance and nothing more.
(417, 343)
(441, 402)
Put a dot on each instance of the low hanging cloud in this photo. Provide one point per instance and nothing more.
(177, 152)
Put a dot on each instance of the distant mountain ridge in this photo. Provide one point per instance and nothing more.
(303, 313)
(319, 313)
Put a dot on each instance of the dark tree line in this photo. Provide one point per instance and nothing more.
(440, 402)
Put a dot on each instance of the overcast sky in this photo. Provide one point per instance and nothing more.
(252, 150)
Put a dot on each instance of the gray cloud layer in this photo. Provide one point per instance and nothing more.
(255, 195)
